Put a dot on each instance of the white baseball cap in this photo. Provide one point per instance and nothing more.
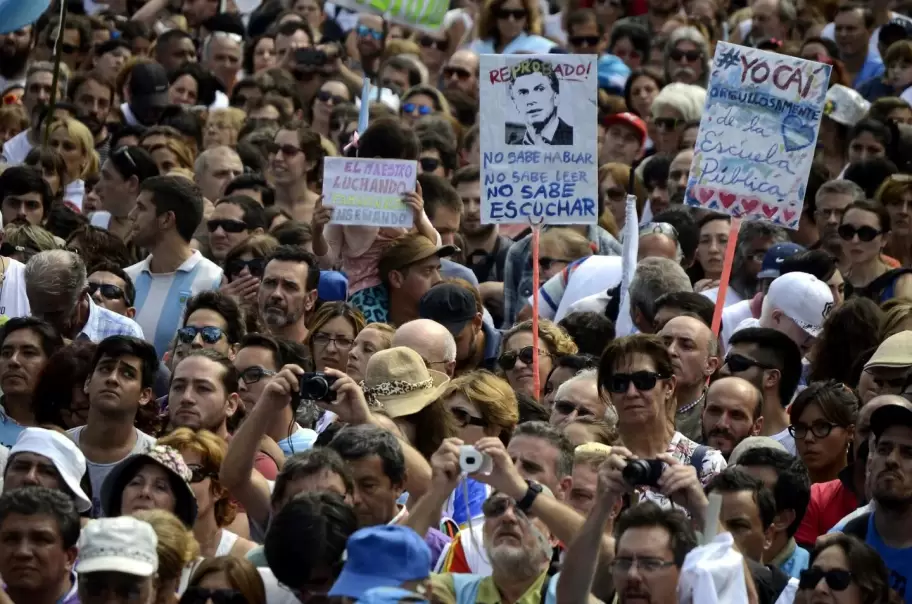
(803, 298)
(844, 105)
(63, 453)
(123, 545)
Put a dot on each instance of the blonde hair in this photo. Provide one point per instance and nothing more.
(557, 340)
(14, 116)
(897, 312)
(487, 21)
(620, 174)
(30, 236)
(212, 450)
(177, 547)
(493, 396)
(385, 329)
(591, 454)
(443, 105)
(401, 47)
(77, 131)
(181, 151)
(572, 244)
(232, 115)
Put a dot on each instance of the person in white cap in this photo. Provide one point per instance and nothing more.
(796, 305)
(117, 561)
(49, 459)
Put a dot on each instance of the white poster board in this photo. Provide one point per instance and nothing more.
(369, 191)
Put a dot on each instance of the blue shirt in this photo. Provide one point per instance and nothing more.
(103, 323)
(10, 430)
(898, 561)
(797, 562)
(301, 440)
(873, 68)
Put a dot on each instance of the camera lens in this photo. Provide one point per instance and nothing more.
(470, 459)
(315, 388)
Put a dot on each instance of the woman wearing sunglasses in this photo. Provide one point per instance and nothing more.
(243, 269)
(517, 353)
(865, 230)
(845, 570)
(331, 94)
(510, 27)
(673, 108)
(558, 248)
(225, 581)
(422, 100)
(203, 452)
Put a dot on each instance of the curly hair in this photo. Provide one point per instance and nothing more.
(850, 329)
(556, 339)
(212, 451)
(492, 396)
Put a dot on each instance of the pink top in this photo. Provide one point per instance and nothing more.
(359, 248)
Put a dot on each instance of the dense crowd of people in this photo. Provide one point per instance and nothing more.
(214, 393)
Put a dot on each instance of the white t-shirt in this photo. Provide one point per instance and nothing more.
(732, 317)
(16, 148)
(596, 274)
(100, 219)
(731, 296)
(13, 299)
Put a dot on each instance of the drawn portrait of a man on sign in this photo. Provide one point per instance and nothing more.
(535, 92)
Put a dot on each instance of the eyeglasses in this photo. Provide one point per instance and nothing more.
(690, 55)
(210, 335)
(255, 266)
(836, 578)
(429, 164)
(254, 374)
(228, 225)
(865, 233)
(369, 32)
(323, 340)
(422, 109)
(738, 363)
(568, 407)
(643, 381)
(464, 418)
(643, 565)
(287, 150)
(667, 123)
(201, 595)
(507, 360)
(325, 97)
(108, 291)
(584, 40)
(546, 262)
(428, 42)
(819, 428)
(459, 72)
(517, 14)
(199, 473)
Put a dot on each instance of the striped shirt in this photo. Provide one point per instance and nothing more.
(161, 297)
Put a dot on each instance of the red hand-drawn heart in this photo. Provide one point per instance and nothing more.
(749, 205)
(769, 211)
(787, 215)
(704, 194)
(727, 199)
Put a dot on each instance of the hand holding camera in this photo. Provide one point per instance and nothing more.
(334, 390)
(501, 473)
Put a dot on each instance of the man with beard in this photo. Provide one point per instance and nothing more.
(832, 199)
(459, 309)
(146, 96)
(203, 393)
(15, 49)
(93, 94)
(733, 412)
(888, 528)
(288, 292)
(694, 354)
(167, 212)
(38, 81)
(536, 94)
(174, 48)
(370, 41)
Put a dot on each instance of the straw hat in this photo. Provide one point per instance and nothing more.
(398, 379)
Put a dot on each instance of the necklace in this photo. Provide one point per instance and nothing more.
(687, 408)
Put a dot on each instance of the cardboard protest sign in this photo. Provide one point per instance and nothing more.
(758, 134)
(421, 14)
(369, 191)
(538, 139)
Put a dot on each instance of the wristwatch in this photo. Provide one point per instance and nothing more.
(529, 498)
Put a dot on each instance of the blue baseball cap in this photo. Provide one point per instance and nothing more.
(382, 556)
(772, 261)
(332, 287)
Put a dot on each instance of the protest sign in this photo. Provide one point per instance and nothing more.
(758, 134)
(369, 191)
(538, 139)
(421, 14)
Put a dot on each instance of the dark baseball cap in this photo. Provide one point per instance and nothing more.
(772, 261)
(450, 305)
(149, 86)
(892, 414)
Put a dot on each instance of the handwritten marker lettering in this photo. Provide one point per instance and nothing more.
(369, 191)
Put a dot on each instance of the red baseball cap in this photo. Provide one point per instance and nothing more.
(628, 119)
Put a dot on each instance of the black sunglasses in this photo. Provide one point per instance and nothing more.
(211, 335)
(287, 150)
(584, 40)
(429, 42)
(546, 262)
(255, 266)
(459, 72)
(429, 164)
(228, 225)
(690, 55)
(199, 473)
(108, 291)
(643, 381)
(201, 595)
(738, 363)
(463, 418)
(254, 374)
(516, 13)
(497, 505)
(325, 97)
(837, 579)
(865, 233)
(507, 360)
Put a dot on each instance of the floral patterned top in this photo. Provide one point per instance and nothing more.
(682, 449)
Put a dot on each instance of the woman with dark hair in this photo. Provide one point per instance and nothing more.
(225, 580)
(823, 426)
(848, 330)
(865, 230)
(332, 94)
(52, 166)
(60, 398)
(510, 27)
(845, 570)
(96, 245)
(641, 89)
(259, 54)
(192, 85)
(121, 175)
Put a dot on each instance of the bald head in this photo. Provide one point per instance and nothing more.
(731, 414)
(432, 341)
(657, 245)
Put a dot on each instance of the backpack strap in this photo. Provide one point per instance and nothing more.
(696, 460)
(858, 526)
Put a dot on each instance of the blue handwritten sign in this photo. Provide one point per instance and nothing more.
(758, 134)
(369, 191)
(539, 153)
